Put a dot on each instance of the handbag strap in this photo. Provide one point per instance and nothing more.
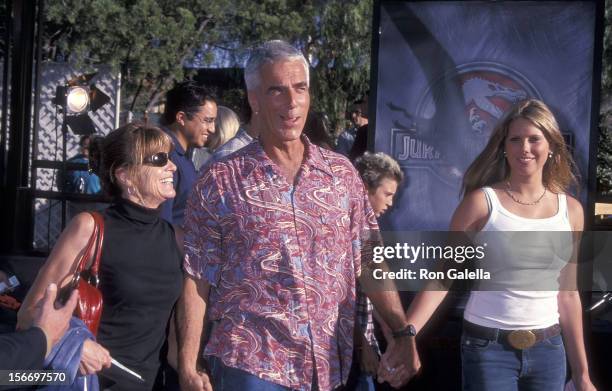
(93, 249)
(95, 266)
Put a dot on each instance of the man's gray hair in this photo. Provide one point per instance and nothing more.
(269, 52)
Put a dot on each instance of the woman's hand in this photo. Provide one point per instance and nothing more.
(93, 358)
(584, 384)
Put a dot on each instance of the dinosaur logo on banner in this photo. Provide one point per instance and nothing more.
(454, 117)
(487, 98)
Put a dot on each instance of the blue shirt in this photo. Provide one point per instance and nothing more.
(239, 141)
(173, 210)
(346, 140)
(81, 181)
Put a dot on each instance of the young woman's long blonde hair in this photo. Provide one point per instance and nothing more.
(491, 165)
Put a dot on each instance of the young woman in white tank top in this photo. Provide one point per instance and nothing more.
(518, 340)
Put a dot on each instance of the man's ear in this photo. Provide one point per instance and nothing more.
(180, 118)
(253, 101)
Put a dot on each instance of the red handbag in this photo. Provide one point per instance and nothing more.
(89, 307)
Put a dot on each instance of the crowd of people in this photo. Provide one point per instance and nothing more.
(239, 266)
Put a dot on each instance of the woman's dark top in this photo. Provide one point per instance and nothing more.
(140, 280)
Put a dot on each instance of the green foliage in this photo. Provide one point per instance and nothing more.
(604, 157)
(150, 41)
(606, 80)
(147, 40)
(334, 36)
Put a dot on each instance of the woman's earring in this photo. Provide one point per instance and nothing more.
(131, 190)
(550, 155)
(505, 154)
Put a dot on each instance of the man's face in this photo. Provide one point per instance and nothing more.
(281, 100)
(356, 115)
(201, 125)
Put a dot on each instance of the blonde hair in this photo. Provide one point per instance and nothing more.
(491, 166)
(226, 127)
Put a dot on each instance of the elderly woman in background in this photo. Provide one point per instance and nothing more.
(381, 175)
(227, 125)
(140, 269)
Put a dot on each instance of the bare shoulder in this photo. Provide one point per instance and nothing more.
(76, 235)
(472, 212)
(576, 213)
(81, 226)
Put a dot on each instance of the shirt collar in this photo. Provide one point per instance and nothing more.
(177, 146)
(314, 158)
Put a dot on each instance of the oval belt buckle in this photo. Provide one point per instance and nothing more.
(521, 339)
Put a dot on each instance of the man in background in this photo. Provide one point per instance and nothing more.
(359, 118)
(189, 119)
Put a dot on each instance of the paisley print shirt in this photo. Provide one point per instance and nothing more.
(282, 261)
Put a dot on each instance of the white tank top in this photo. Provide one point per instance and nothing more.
(518, 309)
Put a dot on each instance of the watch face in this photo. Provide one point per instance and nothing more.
(412, 330)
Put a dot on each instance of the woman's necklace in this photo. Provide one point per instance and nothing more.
(509, 192)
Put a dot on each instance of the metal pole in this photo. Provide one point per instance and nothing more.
(16, 224)
(5, 90)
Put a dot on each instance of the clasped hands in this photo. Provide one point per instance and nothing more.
(399, 363)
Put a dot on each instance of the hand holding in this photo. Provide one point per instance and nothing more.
(400, 362)
(94, 358)
(53, 322)
(195, 380)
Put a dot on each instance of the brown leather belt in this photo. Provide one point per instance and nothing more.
(518, 339)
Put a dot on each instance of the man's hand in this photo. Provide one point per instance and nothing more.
(94, 358)
(400, 362)
(194, 381)
(53, 322)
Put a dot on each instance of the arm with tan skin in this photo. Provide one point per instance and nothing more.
(470, 215)
(401, 360)
(58, 269)
(570, 307)
(53, 322)
(172, 335)
(191, 309)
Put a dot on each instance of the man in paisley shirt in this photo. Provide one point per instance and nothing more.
(273, 251)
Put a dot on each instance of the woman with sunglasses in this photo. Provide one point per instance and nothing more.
(140, 269)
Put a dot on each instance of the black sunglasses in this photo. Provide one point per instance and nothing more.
(158, 159)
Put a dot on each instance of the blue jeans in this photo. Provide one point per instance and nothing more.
(226, 378)
(365, 383)
(491, 365)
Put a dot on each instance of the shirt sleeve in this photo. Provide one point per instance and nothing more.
(23, 349)
(203, 235)
(364, 227)
(344, 144)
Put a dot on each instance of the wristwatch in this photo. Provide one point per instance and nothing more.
(408, 331)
